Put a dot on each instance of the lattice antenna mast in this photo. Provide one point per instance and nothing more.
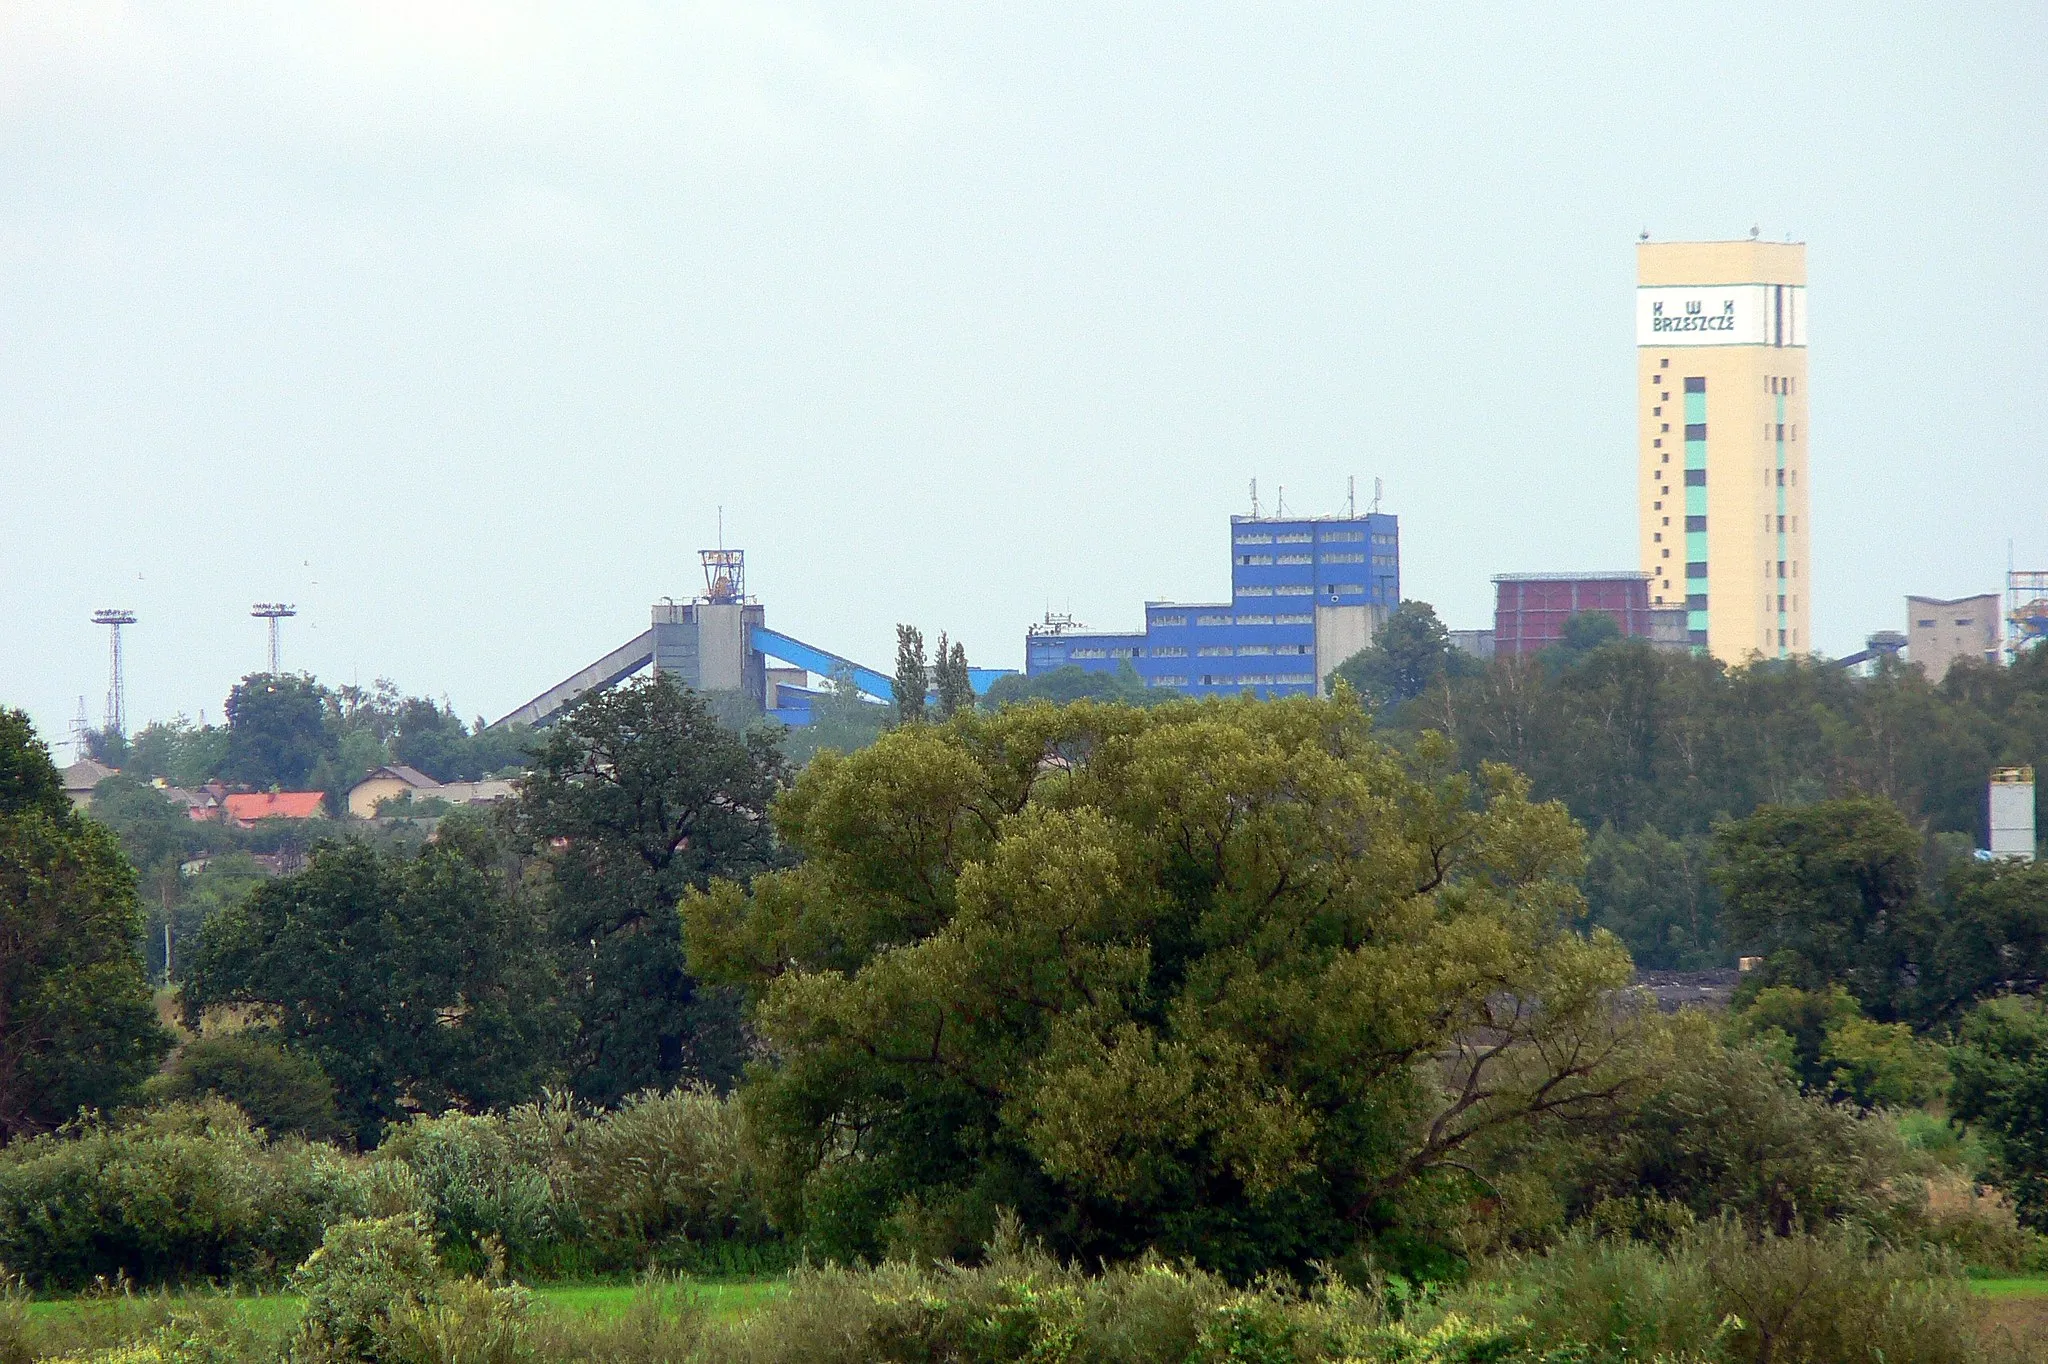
(117, 693)
(274, 612)
(81, 725)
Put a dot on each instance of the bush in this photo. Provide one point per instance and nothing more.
(1726, 1128)
(483, 1182)
(365, 1271)
(1724, 1292)
(189, 1192)
(662, 1181)
(284, 1092)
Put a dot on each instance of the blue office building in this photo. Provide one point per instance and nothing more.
(1305, 594)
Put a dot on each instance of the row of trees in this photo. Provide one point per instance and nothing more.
(290, 730)
(1633, 736)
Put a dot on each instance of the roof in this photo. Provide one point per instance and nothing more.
(411, 776)
(1631, 574)
(254, 805)
(86, 773)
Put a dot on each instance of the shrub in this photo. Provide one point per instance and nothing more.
(189, 1192)
(366, 1270)
(662, 1181)
(1724, 1291)
(284, 1092)
(464, 1320)
(480, 1184)
(1727, 1129)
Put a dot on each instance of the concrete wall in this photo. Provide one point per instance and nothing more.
(1342, 631)
(2012, 813)
(1938, 632)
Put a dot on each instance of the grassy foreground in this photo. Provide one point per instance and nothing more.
(2010, 1288)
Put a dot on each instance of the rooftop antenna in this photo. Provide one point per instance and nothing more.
(1351, 497)
(117, 694)
(273, 612)
(81, 725)
(1255, 499)
(1280, 501)
(1379, 490)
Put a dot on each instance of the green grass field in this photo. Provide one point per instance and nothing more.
(2010, 1288)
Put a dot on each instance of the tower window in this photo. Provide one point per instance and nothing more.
(1695, 478)
(1696, 383)
(1695, 430)
(1695, 523)
(1665, 363)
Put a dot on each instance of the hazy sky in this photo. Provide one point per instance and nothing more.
(454, 324)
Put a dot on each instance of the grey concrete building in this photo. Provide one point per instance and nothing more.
(1939, 632)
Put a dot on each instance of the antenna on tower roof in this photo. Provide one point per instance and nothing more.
(1255, 499)
(1280, 501)
(117, 692)
(1379, 490)
(272, 612)
(1351, 497)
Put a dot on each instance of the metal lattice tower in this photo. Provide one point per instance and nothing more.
(273, 612)
(117, 693)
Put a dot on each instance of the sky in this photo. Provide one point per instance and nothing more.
(460, 326)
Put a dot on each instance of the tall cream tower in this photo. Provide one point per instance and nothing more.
(1722, 480)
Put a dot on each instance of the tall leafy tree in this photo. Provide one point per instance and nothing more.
(77, 1026)
(2001, 1088)
(1829, 894)
(28, 779)
(913, 675)
(1410, 651)
(277, 730)
(636, 796)
(955, 686)
(415, 982)
(1231, 980)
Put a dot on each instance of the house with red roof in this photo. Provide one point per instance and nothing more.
(249, 806)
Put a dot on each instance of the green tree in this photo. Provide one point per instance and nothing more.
(1409, 652)
(955, 685)
(277, 730)
(1828, 894)
(28, 779)
(2000, 1064)
(1581, 634)
(635, 796)
(1193, 978)
(841, 718)
(414, 982)
(1073, 683)
(152, 827)
(180, 752)
(77, 1026)
(913, 675)
(1652, 892)
(283, 1092)
(1990, 939)
(1723, 1131)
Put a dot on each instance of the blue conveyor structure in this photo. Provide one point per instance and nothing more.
(641, 652)
(823, 662)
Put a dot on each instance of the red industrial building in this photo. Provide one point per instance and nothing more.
(1530, 609)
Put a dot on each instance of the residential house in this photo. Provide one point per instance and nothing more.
(395, 779)
(247, 807)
